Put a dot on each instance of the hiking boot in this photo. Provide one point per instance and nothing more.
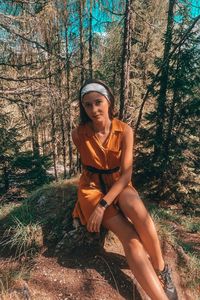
(168, 285)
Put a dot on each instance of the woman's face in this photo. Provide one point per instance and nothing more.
(96, 106)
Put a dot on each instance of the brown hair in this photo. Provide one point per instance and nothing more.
(83, 115)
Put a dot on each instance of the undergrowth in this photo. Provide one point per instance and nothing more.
(169, 224)
(23, 239)
(10, 273)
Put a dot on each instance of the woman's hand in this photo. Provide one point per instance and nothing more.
(95, 220)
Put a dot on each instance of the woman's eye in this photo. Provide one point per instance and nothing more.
(98, 102)
(87, 105)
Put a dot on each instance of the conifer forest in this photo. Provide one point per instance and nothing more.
(148, 53)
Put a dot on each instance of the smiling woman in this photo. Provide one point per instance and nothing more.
(106, 196)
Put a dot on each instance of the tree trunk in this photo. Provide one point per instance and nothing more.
(68, 104)
(172, 110)
(78, 163)
(69, 124)
(81, 41)
(126, 55)
(5, 177)
(53, 126)
(34, 132)
(53, 143)
(62, 111)
(162, 98)
(90, 42)
(63, 129)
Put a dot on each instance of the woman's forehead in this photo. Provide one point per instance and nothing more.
(93, 96)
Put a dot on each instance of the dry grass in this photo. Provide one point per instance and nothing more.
(23, 239)
(12, 276)
(170, 225)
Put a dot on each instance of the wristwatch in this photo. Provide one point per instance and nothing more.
(103, 203)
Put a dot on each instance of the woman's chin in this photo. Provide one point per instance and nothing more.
(97, 118)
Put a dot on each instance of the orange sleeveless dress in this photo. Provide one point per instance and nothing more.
(107, 156)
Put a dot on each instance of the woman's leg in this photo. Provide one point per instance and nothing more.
(133, 207)
(136, 256)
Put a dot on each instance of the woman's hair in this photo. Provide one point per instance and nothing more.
(83, 115)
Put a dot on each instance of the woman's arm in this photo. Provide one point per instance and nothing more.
(125, 166)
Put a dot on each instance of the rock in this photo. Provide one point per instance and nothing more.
(79, 237)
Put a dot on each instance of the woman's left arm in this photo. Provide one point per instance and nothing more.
(125, 166)
(95, 219)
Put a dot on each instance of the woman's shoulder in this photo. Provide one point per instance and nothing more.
(79, 131)
(121, 126)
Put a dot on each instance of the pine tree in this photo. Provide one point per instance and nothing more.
(173, 175)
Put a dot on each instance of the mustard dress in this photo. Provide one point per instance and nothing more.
(103, 157)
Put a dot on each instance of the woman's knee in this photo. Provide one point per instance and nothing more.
(131, 205)
(128, 193)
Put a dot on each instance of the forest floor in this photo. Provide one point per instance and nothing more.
(87, 273)
(84, 275)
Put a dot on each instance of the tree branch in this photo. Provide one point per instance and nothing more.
(30, 41)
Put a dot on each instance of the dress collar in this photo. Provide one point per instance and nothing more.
(116, 127)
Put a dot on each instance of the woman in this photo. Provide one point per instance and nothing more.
(106, 196)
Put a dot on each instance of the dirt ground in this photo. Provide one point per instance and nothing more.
(81, 276)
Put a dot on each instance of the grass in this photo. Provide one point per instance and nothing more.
(188, 262)
(165, 230)
(10, 273)
(11, 212)
(6, 209)
(189, 268)
(190, 224)
(44, 215)
(24, 239)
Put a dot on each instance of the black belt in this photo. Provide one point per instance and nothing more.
(102, 172)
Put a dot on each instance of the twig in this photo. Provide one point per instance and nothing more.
(101, 257)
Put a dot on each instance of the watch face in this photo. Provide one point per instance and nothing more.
(103, 203)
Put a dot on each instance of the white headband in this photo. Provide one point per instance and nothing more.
(94, 87)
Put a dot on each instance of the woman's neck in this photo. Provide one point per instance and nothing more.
(102, 127)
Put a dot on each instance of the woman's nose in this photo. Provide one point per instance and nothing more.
(94, 108)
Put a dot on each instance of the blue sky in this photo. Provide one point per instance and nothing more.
(195, 7)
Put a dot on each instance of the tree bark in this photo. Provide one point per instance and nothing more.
(68, 100)
(90, 42)
(34, 131)
(53, 142)
(126, 56)
(81, 41)
(53, 125)
(171, 112)
(6, 177)
(162, 98)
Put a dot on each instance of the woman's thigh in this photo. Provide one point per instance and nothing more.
(132, 206)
